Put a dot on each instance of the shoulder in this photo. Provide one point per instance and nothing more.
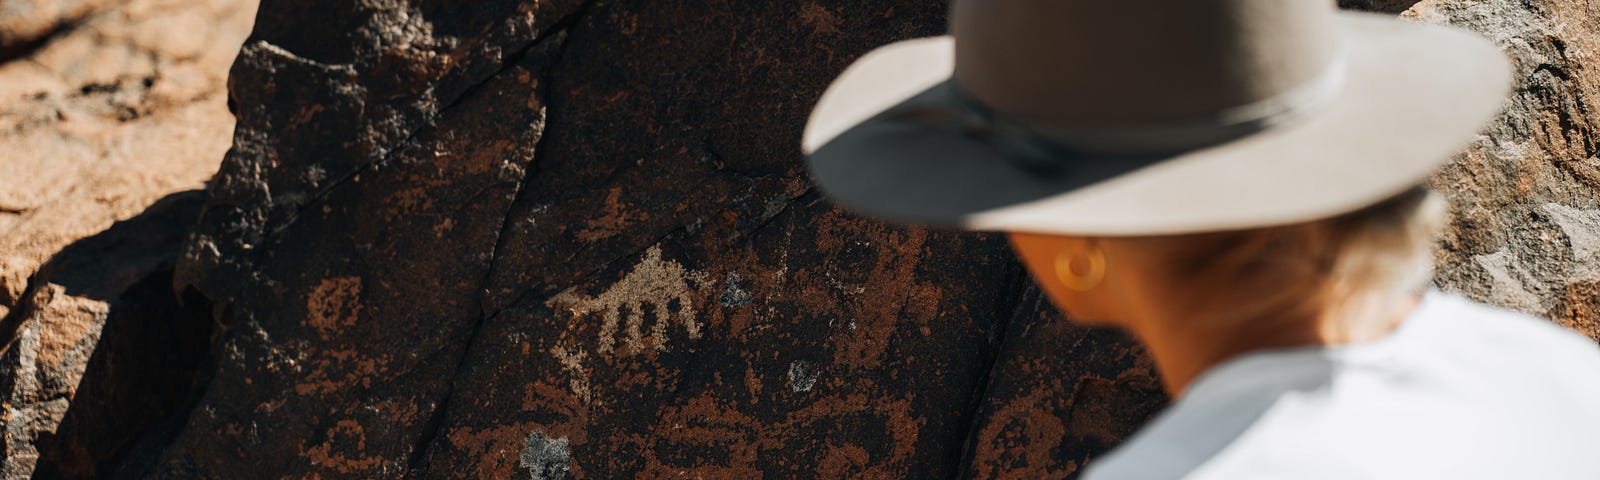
(1224, 415)
(1239, 462)
(1359, 412)
(1468, 325)
(1505, 361)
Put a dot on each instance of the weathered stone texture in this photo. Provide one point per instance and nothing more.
(116, 111)
(27, 23)
(106, 108)
(107, 351)
(1526, 195)
(601, 259)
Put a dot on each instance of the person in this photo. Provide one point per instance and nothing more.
(1238, 183)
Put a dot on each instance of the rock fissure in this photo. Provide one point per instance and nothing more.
(385, 156)
(17, 313)
(552, 40)
(1013, 308)
(768, 217)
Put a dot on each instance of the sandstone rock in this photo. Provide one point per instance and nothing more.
(119, 105)
(106, 351)
(106, 118)
(26, 23)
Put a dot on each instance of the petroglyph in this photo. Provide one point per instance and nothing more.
(334, 304)
(572, 363)
(662, 287)
(1582, 228)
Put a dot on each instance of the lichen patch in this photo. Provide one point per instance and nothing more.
(802, 375)
(545, 458)
(733, 295)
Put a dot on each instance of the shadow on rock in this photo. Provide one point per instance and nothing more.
(103, 352)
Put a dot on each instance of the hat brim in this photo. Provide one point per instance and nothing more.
(1414, 94)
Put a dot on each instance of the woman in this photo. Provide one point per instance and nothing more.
(1236, 183)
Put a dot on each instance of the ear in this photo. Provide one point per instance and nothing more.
(1038, 252)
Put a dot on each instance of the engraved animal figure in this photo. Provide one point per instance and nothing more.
(655, 285)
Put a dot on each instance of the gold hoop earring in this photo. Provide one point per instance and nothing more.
(1086, 281)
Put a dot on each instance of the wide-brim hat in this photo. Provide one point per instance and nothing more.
(1149, 117)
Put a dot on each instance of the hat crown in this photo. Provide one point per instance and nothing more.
(1131, 61)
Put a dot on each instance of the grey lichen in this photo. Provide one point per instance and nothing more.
(734, 295)
(545, 458)
(802, 375)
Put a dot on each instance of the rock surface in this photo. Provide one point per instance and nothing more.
(25, 24)
(1526, 195)
(107, 352)
(106, 109)
(114, 112)
(573, 239)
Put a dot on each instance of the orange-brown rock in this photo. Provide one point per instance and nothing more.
(106, 108)
(119, 109)
(24, 24)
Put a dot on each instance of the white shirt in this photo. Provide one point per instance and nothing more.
(1458, 391)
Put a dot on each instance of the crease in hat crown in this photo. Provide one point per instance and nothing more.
(1044, 144)
(1182, 74)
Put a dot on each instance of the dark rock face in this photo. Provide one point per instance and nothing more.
(584, 246)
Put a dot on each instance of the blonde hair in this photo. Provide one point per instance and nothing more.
(1355, 263)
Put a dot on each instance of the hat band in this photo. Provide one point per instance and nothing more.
(1048, 146)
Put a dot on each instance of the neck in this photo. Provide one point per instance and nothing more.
(1183, 348)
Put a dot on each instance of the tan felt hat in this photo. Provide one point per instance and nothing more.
(1149, 117)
